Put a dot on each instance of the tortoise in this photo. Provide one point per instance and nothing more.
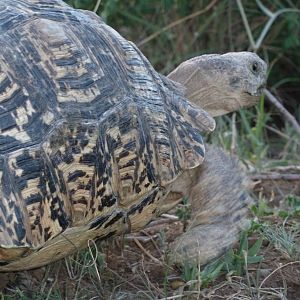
(94, 142)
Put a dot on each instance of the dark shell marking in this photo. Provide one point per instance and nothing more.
(90, 134)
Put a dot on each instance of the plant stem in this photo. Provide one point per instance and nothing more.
(96, 6)
(290, 118)
(175, 23)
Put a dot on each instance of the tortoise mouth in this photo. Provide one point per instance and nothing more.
(251, 98)
(258, 92)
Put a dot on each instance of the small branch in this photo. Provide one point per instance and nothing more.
(279, 268)
(175, 23)
(255, 45)
(152, 237)
(97, 6)
(291, 119)
(287, 168)
(273, 17)
(143, 239)
(147, 253)
(283, 135)
(265, 10)
(276, 176)
(170, 217)
(246, 24)
(162, 221)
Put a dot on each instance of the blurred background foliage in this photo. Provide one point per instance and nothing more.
(170, 31)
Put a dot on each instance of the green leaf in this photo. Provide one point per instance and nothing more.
(283, 214)
(243, 242)
(211, 272)
(256, 247)
(254, 259)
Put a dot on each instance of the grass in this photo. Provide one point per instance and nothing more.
(272, 241)
(272, 244)
(245, 260)
(168, 32)
(283, 239)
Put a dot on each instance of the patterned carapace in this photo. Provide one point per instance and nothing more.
(90, 135)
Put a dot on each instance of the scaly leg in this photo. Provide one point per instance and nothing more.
(219, 201)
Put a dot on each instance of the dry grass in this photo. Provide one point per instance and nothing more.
(126, 269)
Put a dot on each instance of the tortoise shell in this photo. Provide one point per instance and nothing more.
(90, 135)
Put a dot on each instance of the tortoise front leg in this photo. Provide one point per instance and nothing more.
(219, 205)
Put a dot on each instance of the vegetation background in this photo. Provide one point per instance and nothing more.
(266, 262)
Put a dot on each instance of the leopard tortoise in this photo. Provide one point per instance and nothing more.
(93, 142)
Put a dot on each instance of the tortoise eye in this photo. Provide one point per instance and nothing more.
(254, 67)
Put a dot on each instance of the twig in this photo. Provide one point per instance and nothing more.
(282, 110)
(272, 17)
(286, 168)
(173, 297)
(285, 136)
(245, 254)
(274, 176)
(54, 282)
(94, 263)
(256, 45)
(143, 239)
(147, 252)
(161, 221)
(171, 217)
(280, 267)
(152, 237)
(177, 22)
(124, 280)
(246, 24)
(70, 272)
(97, 6)
(187, 293)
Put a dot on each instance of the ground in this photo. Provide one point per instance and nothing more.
(140, 266)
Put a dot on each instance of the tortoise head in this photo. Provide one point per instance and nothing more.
(222, 83)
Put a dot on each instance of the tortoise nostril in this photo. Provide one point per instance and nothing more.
(255, 67)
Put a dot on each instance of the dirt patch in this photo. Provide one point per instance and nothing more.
(139, 267)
